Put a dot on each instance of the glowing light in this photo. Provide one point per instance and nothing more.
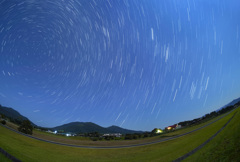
(159, 131)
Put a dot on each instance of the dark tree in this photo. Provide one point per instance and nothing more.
(145, 135)
(214, 113)
(26, 127)
(154, 131)
(3, 122)
(2, 116)
(135, 136)
(128, 137)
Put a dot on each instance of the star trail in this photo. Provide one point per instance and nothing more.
(138, 64)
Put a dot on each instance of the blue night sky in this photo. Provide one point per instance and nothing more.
(138, 64)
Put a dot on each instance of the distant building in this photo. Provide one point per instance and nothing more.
(179, 126)
(172, 127)
(49, 131)
(68, 134)
(60, 133)
(53, 132)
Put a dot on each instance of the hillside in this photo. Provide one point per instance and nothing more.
(116, 129)
(88, 127)
(233, 102)
(12, 114)
(230, 104)
(81, 127)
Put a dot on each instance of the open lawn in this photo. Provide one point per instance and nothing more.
(28, 149)
(224, 147)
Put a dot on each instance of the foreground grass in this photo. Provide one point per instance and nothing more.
(27, 149)
(3, 158)
(224, 147)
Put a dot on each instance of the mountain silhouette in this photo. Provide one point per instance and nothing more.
(88, 127)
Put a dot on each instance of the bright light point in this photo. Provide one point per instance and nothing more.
(159, 131)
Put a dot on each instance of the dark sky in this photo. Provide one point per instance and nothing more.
(138, 64)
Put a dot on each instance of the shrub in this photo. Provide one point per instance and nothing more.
(26, 127)
(3, 122)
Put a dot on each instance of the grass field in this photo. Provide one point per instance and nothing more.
(27, 149)
(224, 147)
(3, 158)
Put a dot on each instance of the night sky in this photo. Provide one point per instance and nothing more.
(138, 64)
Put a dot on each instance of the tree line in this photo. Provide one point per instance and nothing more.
(208, 116)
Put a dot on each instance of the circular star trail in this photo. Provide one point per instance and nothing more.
(133, 63)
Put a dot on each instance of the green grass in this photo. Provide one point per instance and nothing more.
(27, 149)
(4, 158)
(224, 147)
